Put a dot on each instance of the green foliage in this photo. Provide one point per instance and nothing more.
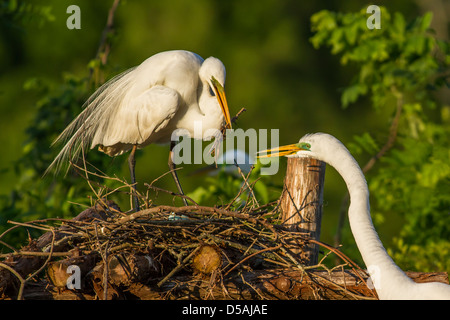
(21, 12)
(399, 57)
(364, 143)
(419, 257)
(401, 67)
(415, 181)
(36, 196)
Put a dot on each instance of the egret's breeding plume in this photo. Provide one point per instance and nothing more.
(389, 280)
(146, 104)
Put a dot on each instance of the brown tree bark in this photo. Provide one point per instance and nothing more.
(301, 202)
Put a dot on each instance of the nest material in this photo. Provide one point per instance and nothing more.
(169, 252)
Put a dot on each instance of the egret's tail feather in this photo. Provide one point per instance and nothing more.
(99, 109)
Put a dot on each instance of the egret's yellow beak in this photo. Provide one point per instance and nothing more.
(220, 95)
(285, 150)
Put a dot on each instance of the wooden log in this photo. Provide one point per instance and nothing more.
(301, 202)
(23, 265)
(272, 284)
(57, 270)
(207, 260)
(42, 290)
(104, 290)
(275, 284)
(29, 263)
(124, 269)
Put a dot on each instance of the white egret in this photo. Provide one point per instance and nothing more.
(146, 104)
(389, 280)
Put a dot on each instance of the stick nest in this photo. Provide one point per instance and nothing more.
(166, 252)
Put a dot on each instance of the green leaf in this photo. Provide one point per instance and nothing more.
(336, 40)
(398, 27)
(425, 22)
(433, 172)
(352, 93)
(367, 142)
(323, 20)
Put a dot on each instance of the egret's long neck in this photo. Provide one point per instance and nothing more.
(384, 272)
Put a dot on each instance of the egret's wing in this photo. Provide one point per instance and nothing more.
(137, 120)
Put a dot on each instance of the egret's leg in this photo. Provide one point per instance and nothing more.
(131, 165)
(172, 168)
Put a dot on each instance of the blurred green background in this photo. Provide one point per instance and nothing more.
(273, 71)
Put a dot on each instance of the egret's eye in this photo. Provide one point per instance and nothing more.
(211, 91)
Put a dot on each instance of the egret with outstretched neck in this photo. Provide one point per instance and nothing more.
(147, 104)
(389, 280)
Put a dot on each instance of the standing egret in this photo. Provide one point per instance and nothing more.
(170, 90)
(389, 280)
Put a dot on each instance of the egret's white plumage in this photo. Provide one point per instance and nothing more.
(389, 280)
(146, 104)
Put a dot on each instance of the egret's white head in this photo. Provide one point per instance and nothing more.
(320, 146)
(327, 148)
(212, 74)
(212, 67)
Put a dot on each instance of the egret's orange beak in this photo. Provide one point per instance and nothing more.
(220, 95)
(285, 150)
